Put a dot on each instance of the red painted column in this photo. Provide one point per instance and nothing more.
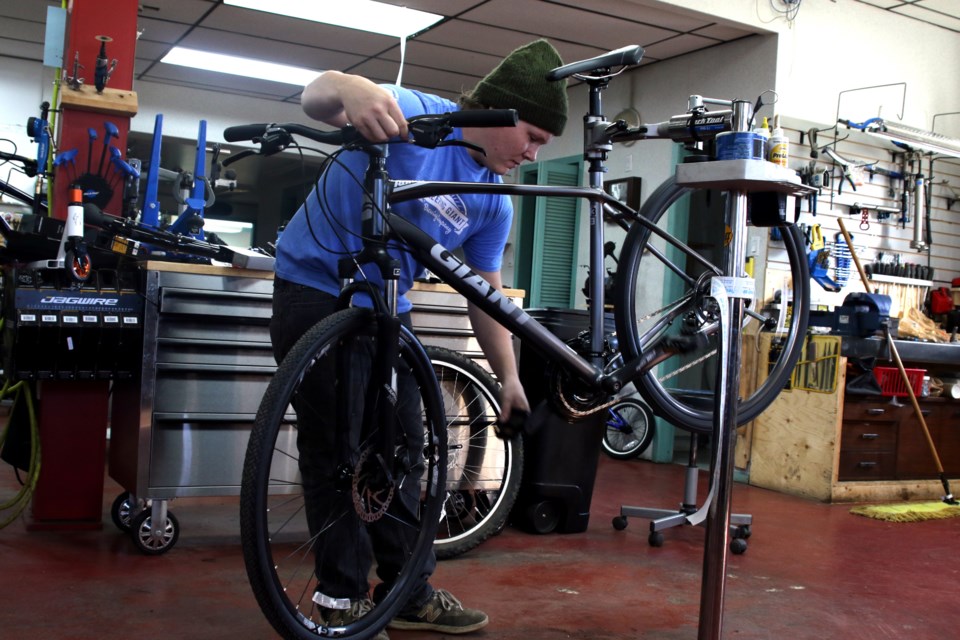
(84, 110)
(73, 425)
(73, 414)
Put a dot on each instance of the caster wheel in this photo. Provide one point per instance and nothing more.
(655, 539)
(141, 529)
(743, 531)
(543, 516)
(738, 546)
(620, 523)
(121, 511)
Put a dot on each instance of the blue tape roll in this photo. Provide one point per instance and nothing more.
(740, 145)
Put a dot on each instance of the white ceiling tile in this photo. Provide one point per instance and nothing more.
(923, 14)
(677, 46)
(946, 7)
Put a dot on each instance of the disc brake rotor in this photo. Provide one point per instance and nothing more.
(372, 489)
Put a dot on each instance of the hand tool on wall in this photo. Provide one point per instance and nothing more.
(121, 167)
(818, 259)
(68, 158)
(109, 131)
(91, 138)
(104, 69)
(74, 81)
(948, 498)
(845, 167)
(39, 131)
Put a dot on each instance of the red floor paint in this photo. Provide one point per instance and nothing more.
(812, 571)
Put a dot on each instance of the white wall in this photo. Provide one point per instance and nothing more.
(833, 47)
(660, 91)
(23, 85)
(839, 45)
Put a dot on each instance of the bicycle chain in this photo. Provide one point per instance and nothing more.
(688, 365)
(575, 413)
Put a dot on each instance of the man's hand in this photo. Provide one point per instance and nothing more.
(514, 410)
(372, 110)
(340, 99)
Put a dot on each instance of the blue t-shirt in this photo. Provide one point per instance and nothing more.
(327, 227)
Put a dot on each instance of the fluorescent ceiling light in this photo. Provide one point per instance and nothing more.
(909, 136)
(365, 15)
(248, 67)
(919, 138)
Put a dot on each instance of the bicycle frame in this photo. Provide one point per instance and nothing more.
(599, 136)
(486, 297)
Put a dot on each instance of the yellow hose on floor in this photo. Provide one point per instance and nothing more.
(21, 499)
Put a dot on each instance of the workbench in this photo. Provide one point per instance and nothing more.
(841, 447)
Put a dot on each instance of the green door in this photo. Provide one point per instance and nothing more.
(548, 236)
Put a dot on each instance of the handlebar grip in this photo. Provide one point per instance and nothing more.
(92, 214)
(244, 132)
(483, 118)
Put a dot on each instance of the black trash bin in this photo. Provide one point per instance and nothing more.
(560, 456)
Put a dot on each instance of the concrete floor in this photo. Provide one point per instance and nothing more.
(811, 571)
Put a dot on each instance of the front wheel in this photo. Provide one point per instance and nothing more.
(483, 471)
(663, 295)
(324, 492)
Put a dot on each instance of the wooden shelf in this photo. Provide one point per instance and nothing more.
(112, 101)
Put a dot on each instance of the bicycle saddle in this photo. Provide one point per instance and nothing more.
(625, 56)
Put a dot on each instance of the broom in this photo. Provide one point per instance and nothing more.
(948, 497)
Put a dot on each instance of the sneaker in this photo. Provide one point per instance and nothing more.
(358, 609)
(444, 613)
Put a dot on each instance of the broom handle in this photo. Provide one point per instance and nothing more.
(896, 355)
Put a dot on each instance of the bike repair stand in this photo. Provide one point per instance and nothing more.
(688, 513)
(737, 178)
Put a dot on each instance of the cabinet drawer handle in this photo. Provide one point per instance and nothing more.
(869, 436)
(866, 464)
(877, 411)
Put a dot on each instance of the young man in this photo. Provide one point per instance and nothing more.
(307, 281)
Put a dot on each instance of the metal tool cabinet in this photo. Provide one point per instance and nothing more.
(181, 428)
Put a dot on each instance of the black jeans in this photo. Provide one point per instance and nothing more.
(343, 574)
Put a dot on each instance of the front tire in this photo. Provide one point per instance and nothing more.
(281, 549)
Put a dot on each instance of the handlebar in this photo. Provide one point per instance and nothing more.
(427, 130)
(29, 164)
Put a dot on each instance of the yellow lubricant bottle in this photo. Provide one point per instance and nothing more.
(779, 145)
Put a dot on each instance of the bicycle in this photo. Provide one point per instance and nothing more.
(483, 471)
(368, 483)
(629, 429)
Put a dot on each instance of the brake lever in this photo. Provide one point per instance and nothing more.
(426, 133)
(274, 140)
(239, 156)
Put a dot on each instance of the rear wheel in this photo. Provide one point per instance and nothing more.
(663, 293)
(305, 509)
(483, 471)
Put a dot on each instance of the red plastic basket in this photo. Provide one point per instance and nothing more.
(891, 383)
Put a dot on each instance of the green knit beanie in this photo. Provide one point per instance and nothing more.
(520, 82)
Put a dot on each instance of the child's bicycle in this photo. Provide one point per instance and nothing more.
(673, 305)
(629, 429)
